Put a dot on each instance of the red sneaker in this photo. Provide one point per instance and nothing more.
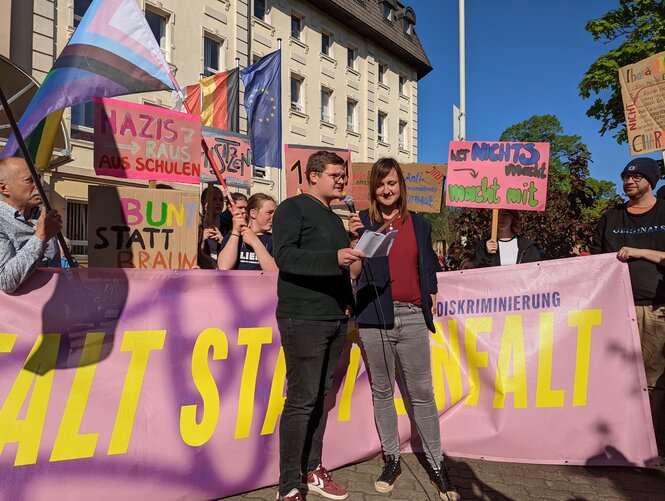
(320, 482)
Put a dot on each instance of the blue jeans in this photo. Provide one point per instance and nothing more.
(406, 346)
(311, 351)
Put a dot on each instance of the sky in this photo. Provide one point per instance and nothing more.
(523, 58)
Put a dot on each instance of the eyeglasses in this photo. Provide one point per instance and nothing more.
(635, 177)
(336, 177)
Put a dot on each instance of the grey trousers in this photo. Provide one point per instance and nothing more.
(405, 346)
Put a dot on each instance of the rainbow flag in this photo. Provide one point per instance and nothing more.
(111, 53)
(217, 99)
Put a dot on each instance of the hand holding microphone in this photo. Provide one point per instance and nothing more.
(355, 224)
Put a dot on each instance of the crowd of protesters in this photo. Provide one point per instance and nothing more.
(394, 295)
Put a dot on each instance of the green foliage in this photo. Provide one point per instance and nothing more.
(442, 224)
(640, 27)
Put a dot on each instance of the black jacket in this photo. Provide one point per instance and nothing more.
(376, 311)
(526, 253)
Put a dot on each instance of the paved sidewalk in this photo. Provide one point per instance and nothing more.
(486, 480)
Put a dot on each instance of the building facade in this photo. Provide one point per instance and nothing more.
(350, 71)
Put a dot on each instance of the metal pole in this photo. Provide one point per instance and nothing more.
(33, 173)
(462, 74)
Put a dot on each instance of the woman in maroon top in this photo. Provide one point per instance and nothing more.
(395, 299)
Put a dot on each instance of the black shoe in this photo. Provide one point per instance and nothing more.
(391, 472)
(442, 482)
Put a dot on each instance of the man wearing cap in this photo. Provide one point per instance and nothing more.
(636, 232)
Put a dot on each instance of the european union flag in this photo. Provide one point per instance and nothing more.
(263, 102)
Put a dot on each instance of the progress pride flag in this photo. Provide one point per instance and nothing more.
(169, 384)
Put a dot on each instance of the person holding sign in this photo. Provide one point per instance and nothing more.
(510, 248)
(248, 246)
(395, 303)
(314, 298)
(26, 241)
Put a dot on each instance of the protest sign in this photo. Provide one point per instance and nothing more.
(142, 228)
(424, 186)
(643, 95)
(498, 175)
(138, 141)
(111, 388)
(232, 154)
(296, 157)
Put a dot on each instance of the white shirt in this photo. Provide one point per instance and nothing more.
(508, 251)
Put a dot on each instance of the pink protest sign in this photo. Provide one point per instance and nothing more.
(137, 141)
(232, 154)
(110, 388)
(498, 175)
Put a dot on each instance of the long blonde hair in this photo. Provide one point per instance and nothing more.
(381, 169)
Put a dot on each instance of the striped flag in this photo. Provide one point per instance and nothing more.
(111, 53)
(216, 99)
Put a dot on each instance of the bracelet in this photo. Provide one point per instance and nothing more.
(235, 235)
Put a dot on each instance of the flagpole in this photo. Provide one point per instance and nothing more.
(33, 173)
(281, 146)
(237, 124)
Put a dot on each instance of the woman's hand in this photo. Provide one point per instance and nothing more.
(249, 237)
(239, 221)
(213, 233)
(491, 246)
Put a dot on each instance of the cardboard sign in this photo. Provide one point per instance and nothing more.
(643, 94)
(142, 228)
(137, 141)
(232, 154)
(424, 186)
(498, 175)
(296, 157)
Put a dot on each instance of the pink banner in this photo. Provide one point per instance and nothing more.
(110, 386)
(138, 141)
(498, 175)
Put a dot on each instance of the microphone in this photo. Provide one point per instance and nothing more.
(348, 200)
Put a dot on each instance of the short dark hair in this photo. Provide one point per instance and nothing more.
(317, 162)
(238, 196)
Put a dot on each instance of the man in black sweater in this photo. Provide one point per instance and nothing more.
(636, 232)
(312, 251)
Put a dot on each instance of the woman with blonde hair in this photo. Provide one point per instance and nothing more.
(248, 246)
(395, 302)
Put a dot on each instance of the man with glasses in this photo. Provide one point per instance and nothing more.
(636, 232)
(313, 253)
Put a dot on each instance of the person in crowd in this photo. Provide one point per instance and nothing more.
(440, 250)
(210, 235)
(395, 303)
(63, 260)
(27, 240)
(636, 232)
(248, 246)
(226, 219)
(661, 192)
(452, 261)
(314, 300)
(510, 248)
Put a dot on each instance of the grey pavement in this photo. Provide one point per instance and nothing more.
(487, 480)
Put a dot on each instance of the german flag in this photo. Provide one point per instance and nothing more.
(216, 99)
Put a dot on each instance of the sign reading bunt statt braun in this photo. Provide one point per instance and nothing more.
(643, 94)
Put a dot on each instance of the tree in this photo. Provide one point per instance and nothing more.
(574, 200)
(640, 27)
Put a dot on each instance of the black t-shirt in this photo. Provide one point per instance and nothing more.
(247, 259)
(619, 228)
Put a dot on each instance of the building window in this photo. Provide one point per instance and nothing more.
(80, 6)
(402, 135)
(326, 106)
(77, 226)
(296, 93)
(388, 11)
(296, 26)
(260, 9)
(351, 54)
(402, 84)
(157, 23)
(351, 115)
(326, 43)
(83, 121)
(407, 26)
(211, 56)
(381, 128)
(382, 73)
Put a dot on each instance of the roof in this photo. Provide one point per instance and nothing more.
(366, 17)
